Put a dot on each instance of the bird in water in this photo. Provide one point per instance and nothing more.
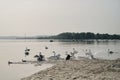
(55, 57)
(27, 51)
(89, 53)
(110, 52)
(40, 57)
(24, 60)
(46, 47)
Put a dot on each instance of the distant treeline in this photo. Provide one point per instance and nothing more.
(83, 35)
(69, 35)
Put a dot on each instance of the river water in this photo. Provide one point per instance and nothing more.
(13, 50)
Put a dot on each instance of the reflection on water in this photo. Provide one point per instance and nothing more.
(13, 50)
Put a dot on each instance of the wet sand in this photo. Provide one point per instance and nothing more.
(82, 69)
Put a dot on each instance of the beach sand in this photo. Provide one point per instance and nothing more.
(82, 69)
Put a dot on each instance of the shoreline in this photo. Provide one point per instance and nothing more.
(82, 69)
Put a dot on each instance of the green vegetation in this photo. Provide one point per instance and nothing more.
(83, 35)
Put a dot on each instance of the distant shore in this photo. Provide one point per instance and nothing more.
(82, 69)
(70, 35)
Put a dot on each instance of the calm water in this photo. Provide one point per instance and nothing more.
(13, 50)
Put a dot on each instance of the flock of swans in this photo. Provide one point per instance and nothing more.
(69, 55)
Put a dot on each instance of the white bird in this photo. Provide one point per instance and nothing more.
(55, 57)
(90, 54)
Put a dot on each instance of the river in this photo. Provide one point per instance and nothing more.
(13, 50)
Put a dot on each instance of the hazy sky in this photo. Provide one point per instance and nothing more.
(48, 17)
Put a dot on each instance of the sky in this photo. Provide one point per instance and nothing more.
(51, 17)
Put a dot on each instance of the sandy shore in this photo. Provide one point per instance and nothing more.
(83, 69)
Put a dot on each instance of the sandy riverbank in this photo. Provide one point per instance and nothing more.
(83, 69)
